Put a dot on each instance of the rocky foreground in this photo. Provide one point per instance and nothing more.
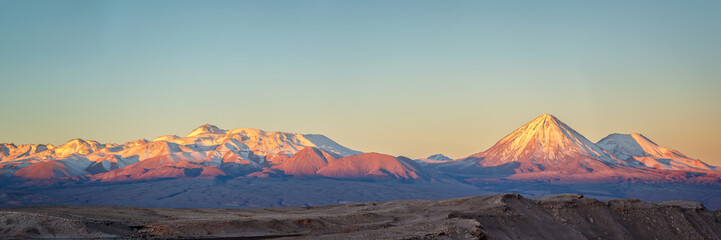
(502, 216)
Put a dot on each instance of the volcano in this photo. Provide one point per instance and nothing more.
(548, 149)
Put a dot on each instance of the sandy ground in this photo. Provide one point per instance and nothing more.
(501, 216)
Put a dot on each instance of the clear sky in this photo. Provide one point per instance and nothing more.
(406, 78)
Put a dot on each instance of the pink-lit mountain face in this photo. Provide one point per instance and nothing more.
(306, 162)
(549, 150)
(249, 168)
(545, 149)
(207, 151)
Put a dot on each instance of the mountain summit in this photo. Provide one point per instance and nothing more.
(637, 148)
(207, 128)
(545, 143)
(543, 148)
(439, 157)
(206, 151)
(549, 150)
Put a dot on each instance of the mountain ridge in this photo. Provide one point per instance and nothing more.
(544, 149)
(547, 149)
(206, 145)
(638, 148)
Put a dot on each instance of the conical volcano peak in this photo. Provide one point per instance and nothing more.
(207, 128)
(545, 117)
(545, 120)
(546, 128)
(544, 141)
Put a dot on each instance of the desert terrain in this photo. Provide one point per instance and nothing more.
(499, 216)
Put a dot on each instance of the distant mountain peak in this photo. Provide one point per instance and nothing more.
(166, 138)
(545, 120)
(636, 147)
(546, 116)
(439, 157)
(626, 146)
(206, 128)
(546, 142)
(76, 140)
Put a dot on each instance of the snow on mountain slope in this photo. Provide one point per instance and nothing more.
(544, 144)
(433, 159)
(544, 148)
(142, 151)
(74, 152)
(206, 129)
(547, 149)
(10, 152)
(181, 164)
(328, 145)
(237, 163)
(637, 147)
(285, 143)
(108, 163)
(259, 141)
(371, 166)
(545, 141)
(167, 138)
(238, 151)
(439, 157)
(306, 162)
(79, 147)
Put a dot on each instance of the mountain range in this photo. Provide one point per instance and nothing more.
(544, 149)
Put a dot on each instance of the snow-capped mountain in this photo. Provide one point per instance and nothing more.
(237, 151)
(439, 157)
(544, 144)
(10, 151)
(637, 148)
(544, 149)
(205, 129)
(548, 149)
(435, 158)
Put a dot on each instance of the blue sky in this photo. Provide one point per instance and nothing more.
(400, 77)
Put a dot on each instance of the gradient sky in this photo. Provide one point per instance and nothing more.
(406, 78)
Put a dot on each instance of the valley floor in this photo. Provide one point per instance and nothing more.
(284, 192)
